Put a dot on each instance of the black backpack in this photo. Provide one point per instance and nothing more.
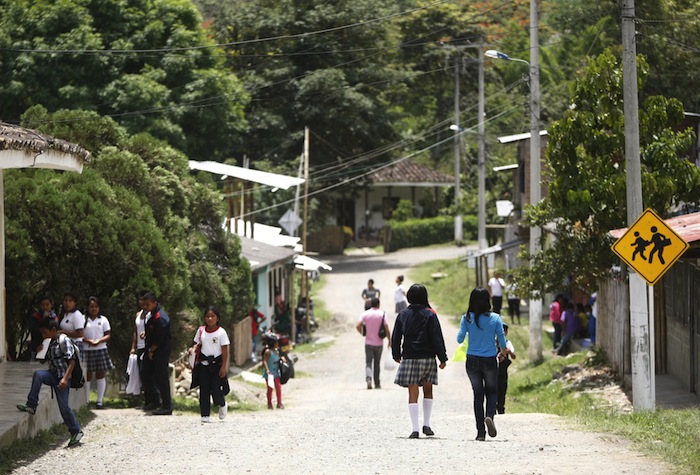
(77, 379)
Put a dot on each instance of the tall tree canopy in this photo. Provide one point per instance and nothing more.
(147, 63)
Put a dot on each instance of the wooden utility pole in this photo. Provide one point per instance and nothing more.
(535, 305)
(642, 349)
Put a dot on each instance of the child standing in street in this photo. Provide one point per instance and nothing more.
(212, 344)
(95, 336)
(62, 356)
(503, 363)
(271, 374)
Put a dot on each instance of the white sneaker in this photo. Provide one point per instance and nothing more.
(205, 419)
(222, 411)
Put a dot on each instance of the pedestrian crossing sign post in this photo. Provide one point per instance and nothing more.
(650, 247)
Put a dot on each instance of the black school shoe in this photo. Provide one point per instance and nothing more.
(428, 431)
(162, 412)
(414, 435)
(490, 427)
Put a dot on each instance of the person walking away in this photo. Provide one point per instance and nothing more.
(504, 362)
(369, 293)
(61, 355)
(73, 321)
(484, 328)
(372, 321)
(416, 341)
(271, 373)
(513, 299)
(399, 295)
(212, 345)
(555, 310)
(571, 325)
(138, 348)
(158, 346)
(496, 285)
(96, 335)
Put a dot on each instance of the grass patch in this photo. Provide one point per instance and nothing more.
(23, 451)
(312, 347)
(449, 294)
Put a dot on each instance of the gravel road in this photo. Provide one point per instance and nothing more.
(333, 424)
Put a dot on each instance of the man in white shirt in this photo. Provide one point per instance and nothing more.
(496, 285)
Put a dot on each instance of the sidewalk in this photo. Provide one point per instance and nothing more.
(15, 381)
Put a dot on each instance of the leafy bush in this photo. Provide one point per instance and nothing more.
(426, 231)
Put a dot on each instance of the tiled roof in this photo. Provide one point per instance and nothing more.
(407, 171)
(19, 138)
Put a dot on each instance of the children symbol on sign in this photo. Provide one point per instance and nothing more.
(660, 242)
(640, 245)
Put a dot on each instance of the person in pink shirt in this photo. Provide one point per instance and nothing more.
(370, 323)
(555, 310)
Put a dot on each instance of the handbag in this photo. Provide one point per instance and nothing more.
(382, 330)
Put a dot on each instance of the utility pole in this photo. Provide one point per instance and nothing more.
(481, 232)
(459, 238)
(643, 378)
(535, 307)
(304, 275)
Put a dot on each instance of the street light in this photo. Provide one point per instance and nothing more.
(535, 190)
(492, 53)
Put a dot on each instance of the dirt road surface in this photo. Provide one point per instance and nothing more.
(332, 424)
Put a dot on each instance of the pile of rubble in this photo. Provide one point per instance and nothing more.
(183, 380)
(599, 381)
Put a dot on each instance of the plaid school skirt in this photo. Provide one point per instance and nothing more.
(417, 371)
(97, 360)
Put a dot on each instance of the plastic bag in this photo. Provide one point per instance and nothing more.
(389, 363)
(461, 352)
(271, 381)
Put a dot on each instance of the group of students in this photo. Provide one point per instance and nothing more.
(416, 341)
(74, 339)
(571, 321)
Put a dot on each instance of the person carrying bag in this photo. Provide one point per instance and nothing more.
(374, 327)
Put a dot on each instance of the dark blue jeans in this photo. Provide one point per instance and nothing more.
(43, 376)
(483, 374)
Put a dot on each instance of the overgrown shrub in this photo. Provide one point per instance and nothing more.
(425, 231)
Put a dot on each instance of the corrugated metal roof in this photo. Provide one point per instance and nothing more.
(518, 137)
(256, 176)
(687, 227)
(407, 172)
(261, 255)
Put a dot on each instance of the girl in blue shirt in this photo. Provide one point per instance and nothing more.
(483, 327)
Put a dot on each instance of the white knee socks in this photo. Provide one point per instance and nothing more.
(87, 386)
(413, 411)
(427, 409)
(101, 387)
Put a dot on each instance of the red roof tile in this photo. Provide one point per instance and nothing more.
(407, 171)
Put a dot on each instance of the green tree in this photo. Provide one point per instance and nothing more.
(586, 175)
(134, 219)
(149, 64)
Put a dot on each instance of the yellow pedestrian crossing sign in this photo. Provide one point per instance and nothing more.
(650, 247)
